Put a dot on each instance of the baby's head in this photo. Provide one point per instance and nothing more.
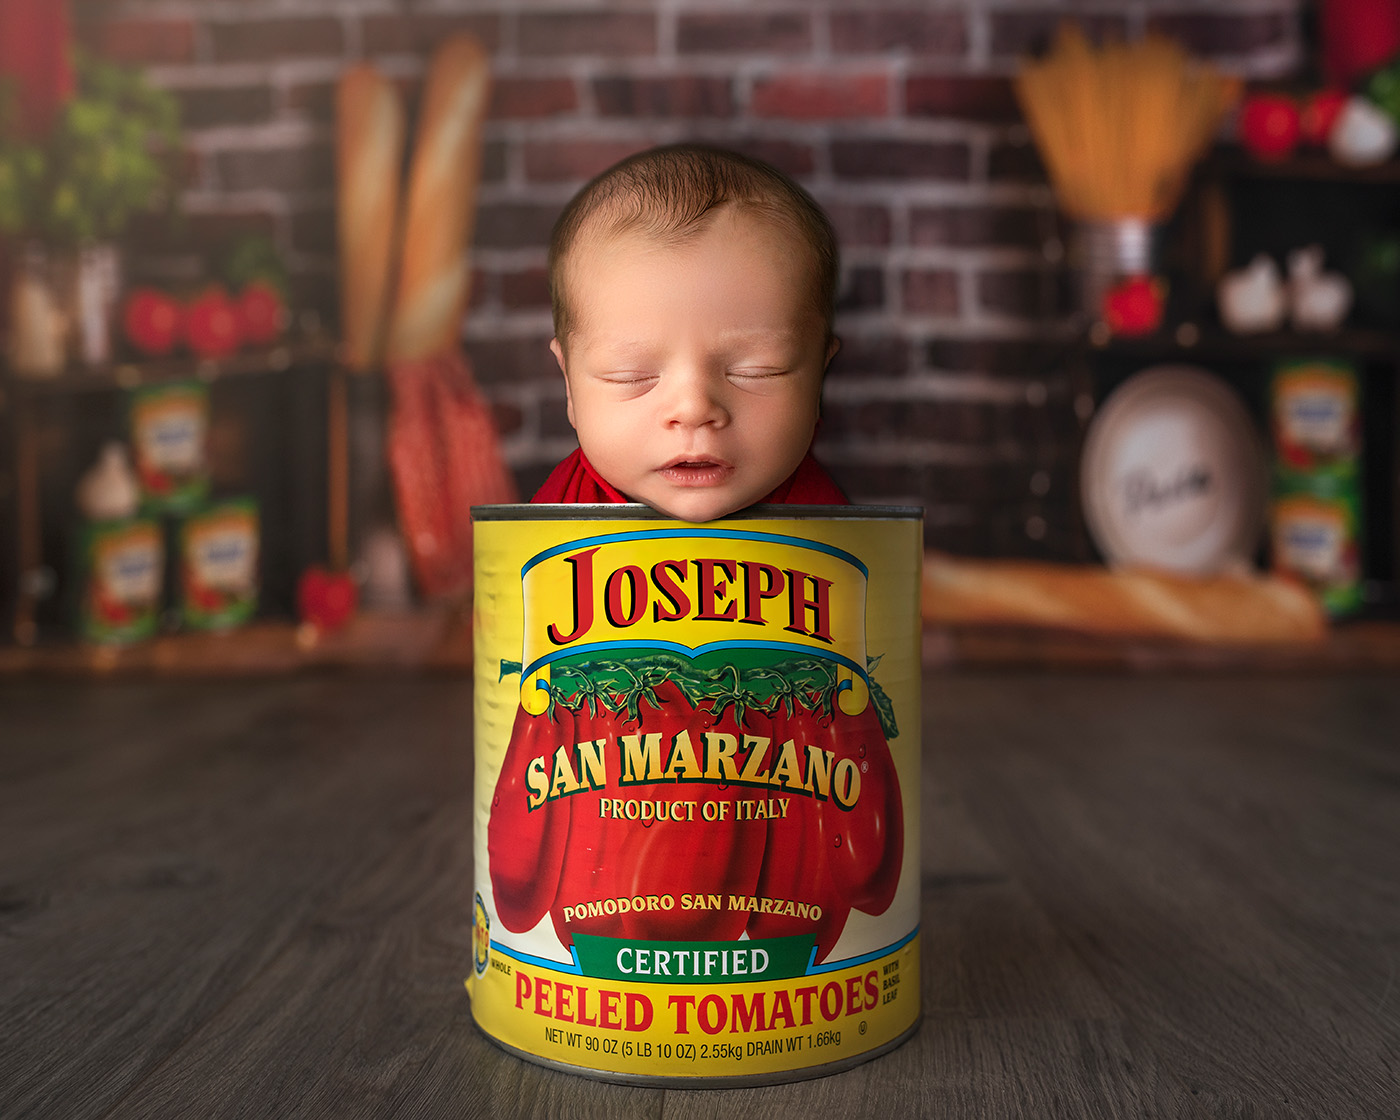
(693, 291)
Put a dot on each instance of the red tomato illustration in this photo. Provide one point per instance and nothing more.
(525, 845)
(662, 811)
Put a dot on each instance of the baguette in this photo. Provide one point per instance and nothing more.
(441, 202)
(369, 154)
(1225, 610)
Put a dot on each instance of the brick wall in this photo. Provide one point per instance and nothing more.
(897, 116)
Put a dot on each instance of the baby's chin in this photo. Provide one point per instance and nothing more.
(696, 512)
(698, 506)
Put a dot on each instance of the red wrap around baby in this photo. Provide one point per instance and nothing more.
(575, 482)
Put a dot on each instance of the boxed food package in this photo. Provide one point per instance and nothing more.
(1316, 533)
(123, 565)
(219, 549)
(169, 437)
(1315, 520)
(1316, 413)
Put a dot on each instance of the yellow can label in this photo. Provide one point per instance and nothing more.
(696, 856)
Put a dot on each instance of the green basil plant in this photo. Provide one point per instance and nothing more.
(109, 155)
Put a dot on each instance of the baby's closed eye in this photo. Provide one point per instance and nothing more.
(756, 375)
(628, 378)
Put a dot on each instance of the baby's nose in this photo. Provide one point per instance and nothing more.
(696, 401)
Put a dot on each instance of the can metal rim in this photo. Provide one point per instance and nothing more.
(705, 1081)
(635, 511)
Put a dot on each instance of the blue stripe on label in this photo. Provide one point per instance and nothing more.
(539, 962)
(712, 534)
(850, 962)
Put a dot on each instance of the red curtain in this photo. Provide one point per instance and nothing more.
(35, 54)
(1357, 36)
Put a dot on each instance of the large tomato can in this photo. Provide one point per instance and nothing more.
(696, 801)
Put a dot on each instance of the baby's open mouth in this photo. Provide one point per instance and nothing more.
(696, 472)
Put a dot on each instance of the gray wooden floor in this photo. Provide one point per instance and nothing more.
(1167, 897)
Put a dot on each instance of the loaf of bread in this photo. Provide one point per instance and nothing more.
(1243, 609)
(440, 208)
(369, 160)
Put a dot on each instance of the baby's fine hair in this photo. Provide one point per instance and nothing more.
(671, 193)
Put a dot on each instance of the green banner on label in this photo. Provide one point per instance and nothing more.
(692, 962)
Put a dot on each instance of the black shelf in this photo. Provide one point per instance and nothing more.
(1187, 340)
(1306, 164)
(316, 351)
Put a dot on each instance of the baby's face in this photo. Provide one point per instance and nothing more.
(694, 371)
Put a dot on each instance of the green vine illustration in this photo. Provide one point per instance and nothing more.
(624, 684)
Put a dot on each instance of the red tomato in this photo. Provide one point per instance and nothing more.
(211, 325)
(705, 845)
(795, 867)
(1320, 113)
(326, 599)
(712, 861)
(261, 313)
(612, 857)
(1134, 306)
(151, 320)
(864, 844)
(589, 872)
(1269, 125)
(525, 847)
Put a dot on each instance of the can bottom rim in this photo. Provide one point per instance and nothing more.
(700, 1081)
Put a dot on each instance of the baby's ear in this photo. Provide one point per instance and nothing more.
(558, 351)
(831, 348)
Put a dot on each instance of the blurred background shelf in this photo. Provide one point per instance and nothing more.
(1189, 338)
(77, 380)
(278, 433)
(1238, 208)
(1369, 646)
(1306, 164)
(440, 641)
(374, 641)
(952, 388)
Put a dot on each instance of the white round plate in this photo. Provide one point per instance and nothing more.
(1174, 474)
